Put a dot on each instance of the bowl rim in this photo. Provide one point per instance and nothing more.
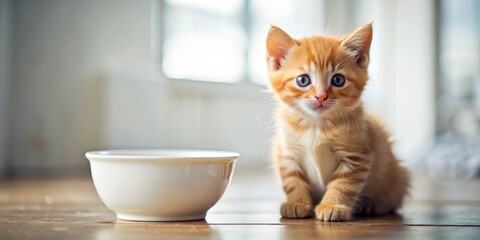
(169, 155)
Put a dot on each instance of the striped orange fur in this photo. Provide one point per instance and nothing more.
(335, 159)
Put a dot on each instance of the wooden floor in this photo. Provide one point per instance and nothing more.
(71, 209)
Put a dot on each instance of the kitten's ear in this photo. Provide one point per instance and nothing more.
(358, 43)
(278, 44)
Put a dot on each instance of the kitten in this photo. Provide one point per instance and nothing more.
(329, 151)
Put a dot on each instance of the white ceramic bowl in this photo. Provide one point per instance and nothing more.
(161, 185)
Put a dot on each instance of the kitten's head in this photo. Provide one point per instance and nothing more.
(319, 76)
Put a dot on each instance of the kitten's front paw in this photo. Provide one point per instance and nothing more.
(333, 212)
(296, 210)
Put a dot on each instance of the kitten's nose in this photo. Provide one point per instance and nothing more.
(321, 98)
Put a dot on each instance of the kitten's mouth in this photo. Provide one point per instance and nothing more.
(320, 107)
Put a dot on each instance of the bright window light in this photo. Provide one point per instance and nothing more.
(224, 41)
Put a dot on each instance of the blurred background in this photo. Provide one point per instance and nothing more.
(100, 74)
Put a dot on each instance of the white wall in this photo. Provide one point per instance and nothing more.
(167, 114)
(4, 77)
(59, 51)
(404, 73)
(415, 83)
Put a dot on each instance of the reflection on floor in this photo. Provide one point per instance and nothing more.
(71, 209)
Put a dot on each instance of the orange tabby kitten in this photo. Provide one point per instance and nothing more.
(329, 151)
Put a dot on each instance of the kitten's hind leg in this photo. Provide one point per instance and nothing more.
(369, 207)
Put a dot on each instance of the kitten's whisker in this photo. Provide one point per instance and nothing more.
(271, 127)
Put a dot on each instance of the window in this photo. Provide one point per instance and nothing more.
(459, 61)
(224, 41)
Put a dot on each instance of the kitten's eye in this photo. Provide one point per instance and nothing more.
(303, 80)
(338, 80)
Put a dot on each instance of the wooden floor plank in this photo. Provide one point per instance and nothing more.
(205, 231)
(446, 215)
(71, 209)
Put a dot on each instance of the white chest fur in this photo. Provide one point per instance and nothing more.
(317, 160)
